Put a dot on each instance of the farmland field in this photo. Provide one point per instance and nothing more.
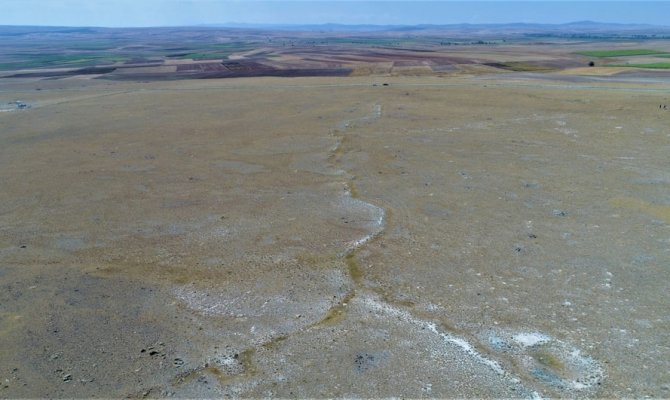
(621, 53)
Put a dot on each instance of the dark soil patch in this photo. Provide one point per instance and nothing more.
(519, 66)
(220, 72)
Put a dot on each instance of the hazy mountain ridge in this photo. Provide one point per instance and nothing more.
(580, 25)
(576, 27)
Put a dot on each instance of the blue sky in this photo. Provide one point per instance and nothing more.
(115, 13)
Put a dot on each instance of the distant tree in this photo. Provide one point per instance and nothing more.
(591, 64)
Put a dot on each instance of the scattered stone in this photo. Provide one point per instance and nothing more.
(559, 213)
(153, 351)
(178, 362)
(366, 361)
(67, 378)
(363, 361)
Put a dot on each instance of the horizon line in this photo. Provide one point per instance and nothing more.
(232, 24)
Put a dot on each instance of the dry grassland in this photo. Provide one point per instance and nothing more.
(367, 236)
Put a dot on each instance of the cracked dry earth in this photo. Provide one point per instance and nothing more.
(311, 237)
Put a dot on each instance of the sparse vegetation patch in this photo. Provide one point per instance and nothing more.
(659, 65)
(621, 53)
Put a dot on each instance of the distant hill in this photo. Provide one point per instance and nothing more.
(572, 29)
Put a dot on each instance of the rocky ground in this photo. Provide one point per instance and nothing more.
(335, 237)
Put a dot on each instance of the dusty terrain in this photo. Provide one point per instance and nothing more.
(413, 236)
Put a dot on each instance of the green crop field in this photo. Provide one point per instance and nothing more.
(621, 53)
(59, 60)
(202, 56)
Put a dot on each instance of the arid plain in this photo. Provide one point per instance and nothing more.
(419, 232)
